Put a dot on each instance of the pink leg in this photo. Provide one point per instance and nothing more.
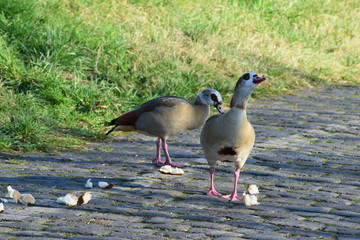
(157, 160)
(234, 196)
(167, 156)
(212, 191)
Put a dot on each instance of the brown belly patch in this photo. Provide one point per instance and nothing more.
(227, 151)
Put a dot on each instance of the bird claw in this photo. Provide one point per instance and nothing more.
(232, 197)
(159, 163)
(162, 163)
(213, 192)
(174, 164)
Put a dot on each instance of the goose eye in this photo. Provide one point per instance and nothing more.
(246, 76)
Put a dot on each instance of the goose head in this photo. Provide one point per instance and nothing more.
(244, 87)
(210, 97)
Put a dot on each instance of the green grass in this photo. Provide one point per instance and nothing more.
(67, 67)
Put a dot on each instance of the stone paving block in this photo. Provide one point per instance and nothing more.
(34, 238)
(211, 225)
(92, 238)
(352, 198)
(20, 225)
(213, 233)
(258, 226)
(335, 206)
(182, 227)
(239, 214)
(97, 222)
(285, 200)
(327, 199)
(347, 237)
(296, 223)
(184, 208)
(336, 222)
(298, 232)
(303, 238)
(244, 231)
(130, 233)
(38, 234)
(307, 209)
(203, 218)
(12, 217)
(79, 228)
(343, 230)
(351, 219)
(266, 236)
(316, 214)
(347, 213)
(162, 220)
(5, 236)
(5, 229)
(227, 238)
(149, 213)
(265, 214)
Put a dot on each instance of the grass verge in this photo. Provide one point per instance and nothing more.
(67, 67)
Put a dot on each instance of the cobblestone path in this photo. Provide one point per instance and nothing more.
(305, 161)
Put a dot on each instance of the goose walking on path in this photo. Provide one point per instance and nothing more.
(167, 116)
(230, 136)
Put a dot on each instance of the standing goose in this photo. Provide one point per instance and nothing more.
(230, 136)
(167, 116)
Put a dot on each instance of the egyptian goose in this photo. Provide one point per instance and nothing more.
(167, 116)
(230, 136)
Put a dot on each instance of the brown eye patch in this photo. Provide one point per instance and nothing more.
(214, 98)
(246, 76)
